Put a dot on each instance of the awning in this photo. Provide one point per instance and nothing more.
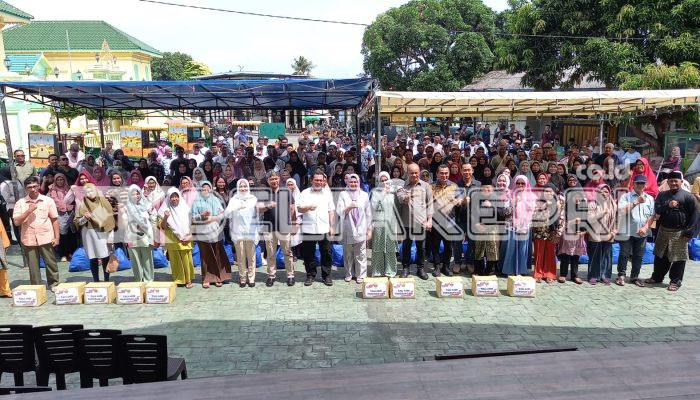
(402, 105)
(197, 95)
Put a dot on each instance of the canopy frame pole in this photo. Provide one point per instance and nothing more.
(8, 144)
(358, 137)
(600, 136)
(100, 118)
(61, 145)
(378, 121)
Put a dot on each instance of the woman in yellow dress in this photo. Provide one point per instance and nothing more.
(174, 217)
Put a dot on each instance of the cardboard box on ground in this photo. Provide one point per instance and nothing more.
(375, 288)
(131, 293)
(521, 286)
(402, 288)
(449, 286)
(29, 295)
(100, 293)
(160, 292)
(485, 286)
(69, 293)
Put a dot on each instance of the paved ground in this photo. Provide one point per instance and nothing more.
(229, 330)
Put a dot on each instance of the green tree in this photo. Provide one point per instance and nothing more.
(430, 45)
(623, 44)
(177, 67)
(302, 66)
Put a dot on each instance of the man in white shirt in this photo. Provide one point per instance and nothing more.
(75, 156)
(317, 209)
(196, 154)
(635, 212)
(630, 156)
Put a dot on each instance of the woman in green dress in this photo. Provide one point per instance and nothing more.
(384, 232)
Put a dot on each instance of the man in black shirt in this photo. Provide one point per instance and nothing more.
(677, 214)
(464, 261)
(277, 208)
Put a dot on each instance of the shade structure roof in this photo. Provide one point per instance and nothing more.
(557, 103)
(197, 95)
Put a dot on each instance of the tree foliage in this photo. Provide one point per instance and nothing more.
(558, 43)
(430, 45)
(302, 66)
(69, 112)
(177, 67)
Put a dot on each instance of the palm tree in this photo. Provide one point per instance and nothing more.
(302, 66)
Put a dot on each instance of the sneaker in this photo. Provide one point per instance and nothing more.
(264, 262)
(309, 281)
(359, 281)
(328, 281)
(290, 281)
(348, 278)
(270, 282)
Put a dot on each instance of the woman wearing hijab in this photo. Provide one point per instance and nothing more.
(385, 225)
(135, 178)
(602, 220)
(100, 176)
(642, 167)
(5, 290)
(198, 176)
(535, 168)
(554, 177)
(547, 223)
(455, 172)
(353, 208)
(207, 217)
(572, 244)
(229, 176)
(88, 165)
(524, 170)
(517, 259)
(338, 179)
(503, 194)
(175, 221)
(298, 168)
(58, 191)
(673, 162)
(243, 213)
(435, 163)
(143, 168)
(95, 219)
(140, 233)
(259, 170)
(154, 193)
(76, 193)
(188, 190)
(209, 171)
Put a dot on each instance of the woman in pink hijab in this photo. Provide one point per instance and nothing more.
(517, 252)
(135, 178)
(188, 190)
(100, 176)
(642, 167)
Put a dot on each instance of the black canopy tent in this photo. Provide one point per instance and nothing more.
(288, 94)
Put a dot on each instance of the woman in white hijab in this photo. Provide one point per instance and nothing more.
(355, 213)
(175, 221)
(244, 230)
(140, 233)
(296, 234)
(385, 227)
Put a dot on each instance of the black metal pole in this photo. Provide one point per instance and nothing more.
(102, 131)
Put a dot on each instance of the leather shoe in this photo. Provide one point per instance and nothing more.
(270, 282)
(309, 281)
(328, 281)
(421, 274)
(436, 272)
(290, 281)
(447, 271)
(242, 284)
(251, 284)
(404, 273)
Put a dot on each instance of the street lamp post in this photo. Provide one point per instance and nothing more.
(56, 72)
(7, 62)
(79, 75)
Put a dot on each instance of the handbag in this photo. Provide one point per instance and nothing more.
(112, 264)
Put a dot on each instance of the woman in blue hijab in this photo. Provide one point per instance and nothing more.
(208, 231)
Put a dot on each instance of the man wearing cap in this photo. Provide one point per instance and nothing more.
(635, 213)
(202, 146)
(677, 214)
(75, 156)
(108, 152)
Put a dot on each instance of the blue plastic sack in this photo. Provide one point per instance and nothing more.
(615, 253)
(694, 249)
(195, 256)
(337, 255)
(42, 264)
(583, 259)
(228, 247)
(279, 258)
(414, 252)
(79, 261)
(124, 262)
(648, 257)
(258, 255)
(159, 259)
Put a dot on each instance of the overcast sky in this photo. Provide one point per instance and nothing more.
(226, 41)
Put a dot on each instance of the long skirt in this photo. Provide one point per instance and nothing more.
(545, 259)
(516, 259)
(142, 263)
(181, 266)
(383, 252)
(215, 265)
(600, 262)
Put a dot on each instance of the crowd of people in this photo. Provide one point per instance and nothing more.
(472, 202)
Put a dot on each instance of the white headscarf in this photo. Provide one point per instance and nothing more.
(179, 220)
(138, 212)
(242, 196)
(295, 192)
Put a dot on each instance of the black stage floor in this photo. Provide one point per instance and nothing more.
(667, 371)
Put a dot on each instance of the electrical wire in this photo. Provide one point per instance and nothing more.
(254, 14)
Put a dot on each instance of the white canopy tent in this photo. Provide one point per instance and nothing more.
(573, 103)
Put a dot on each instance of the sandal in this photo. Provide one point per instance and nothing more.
(561, 279)
(218, 284)
(620, 281)
(205, 285)
(639, 283)
(593, 281)
(538, 280)
(650, 281)
(673, 287)
(549, 280)
(578, 280)
(189, 285)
